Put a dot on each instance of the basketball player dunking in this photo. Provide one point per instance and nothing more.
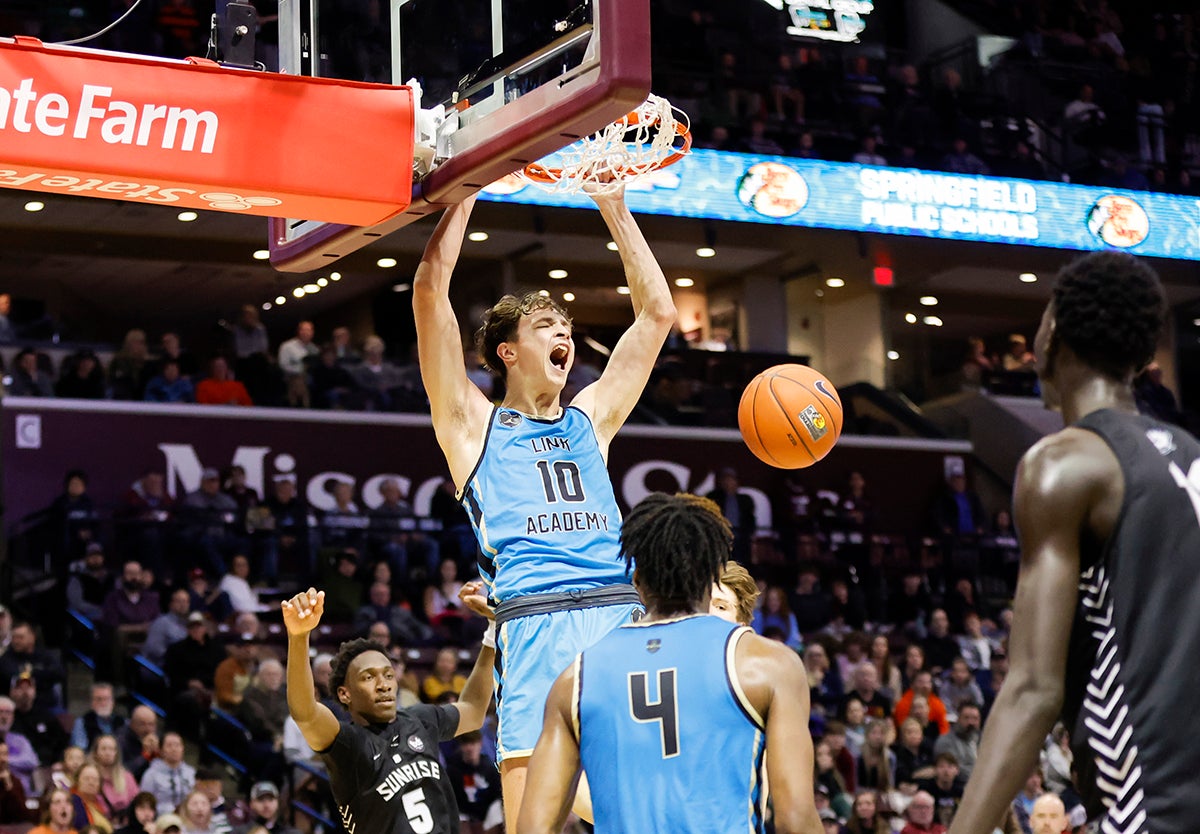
(532, 474)
(672, 716)
(1106, 621)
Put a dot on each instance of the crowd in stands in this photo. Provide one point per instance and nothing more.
(187, 725)
(694, 383)
(904, 657)
(1101, 92)
(1013, 371)
(300, 372)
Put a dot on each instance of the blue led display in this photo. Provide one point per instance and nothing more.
(747, 188)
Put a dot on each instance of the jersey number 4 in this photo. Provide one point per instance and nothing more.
(665, 710)
(561, 480)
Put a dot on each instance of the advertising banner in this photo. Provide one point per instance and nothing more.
(199, 136)
(718, 185)
(114, 443)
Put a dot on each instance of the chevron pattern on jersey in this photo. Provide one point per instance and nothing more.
(1105, 715)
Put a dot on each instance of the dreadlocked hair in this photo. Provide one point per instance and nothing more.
(1109, 310)
(680, 544)
(345, 656)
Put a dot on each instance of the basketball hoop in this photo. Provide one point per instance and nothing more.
(653, 136)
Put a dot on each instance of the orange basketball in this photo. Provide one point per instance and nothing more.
(790, 416)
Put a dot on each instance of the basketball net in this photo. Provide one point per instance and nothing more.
(651, 137)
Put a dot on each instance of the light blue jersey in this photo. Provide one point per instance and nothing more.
(542, 505)
(669, 742)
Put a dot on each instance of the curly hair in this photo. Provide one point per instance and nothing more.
(345, 656)
(745, 590)
(500, 325)
(1109, 309)
(680, 544)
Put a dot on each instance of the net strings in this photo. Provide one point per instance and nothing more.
(628, 148)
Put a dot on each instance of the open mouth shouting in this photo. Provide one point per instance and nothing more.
(559, 355)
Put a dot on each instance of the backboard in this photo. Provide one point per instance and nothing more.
(503, 83)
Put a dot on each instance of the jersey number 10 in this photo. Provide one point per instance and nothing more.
(561, 480)
(665, 710)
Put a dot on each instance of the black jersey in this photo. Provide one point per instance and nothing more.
(1133, 669)
(387, 778)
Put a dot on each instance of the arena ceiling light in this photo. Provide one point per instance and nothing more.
(186, 216)
(335, 276)
(544, 293)
(477, 237)
(385, 263)
(401, 287)
(1027, 278)
(261, 254)
(34, 205)
(893, 355)
(280, 300)
(298, 292)
(322, 282)
(929, 301)
(311, 289)
(835, 283)
(910, 318)
(266, 305)
(706, 252)
(568, 296)
(685, 282)
(557, 274)
(611, 246)
(932, 321)
(622, 290)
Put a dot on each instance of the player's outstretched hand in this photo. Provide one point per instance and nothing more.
(604, 192)
(302, 613)
(473, 594)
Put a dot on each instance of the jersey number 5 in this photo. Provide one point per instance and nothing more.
(419, 818)
(665, 710)
(565, 477)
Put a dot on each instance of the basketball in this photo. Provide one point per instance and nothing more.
(790, 416)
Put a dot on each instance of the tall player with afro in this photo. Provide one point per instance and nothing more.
(1106, 620)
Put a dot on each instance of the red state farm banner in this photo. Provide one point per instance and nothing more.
(196, 135)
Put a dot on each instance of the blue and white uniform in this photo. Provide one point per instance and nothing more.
(668, 739)
(543, 509)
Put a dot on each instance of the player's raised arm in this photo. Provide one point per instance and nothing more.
(611, 398)
(458, 407)
(1057, 483)
(477, 694)
(554, 768)
(773, 677)
(317, 723)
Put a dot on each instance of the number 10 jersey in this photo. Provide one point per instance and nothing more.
(542, 506)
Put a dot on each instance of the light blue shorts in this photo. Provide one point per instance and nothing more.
(531, 652)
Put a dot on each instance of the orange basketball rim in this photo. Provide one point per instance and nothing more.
(681, 145)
